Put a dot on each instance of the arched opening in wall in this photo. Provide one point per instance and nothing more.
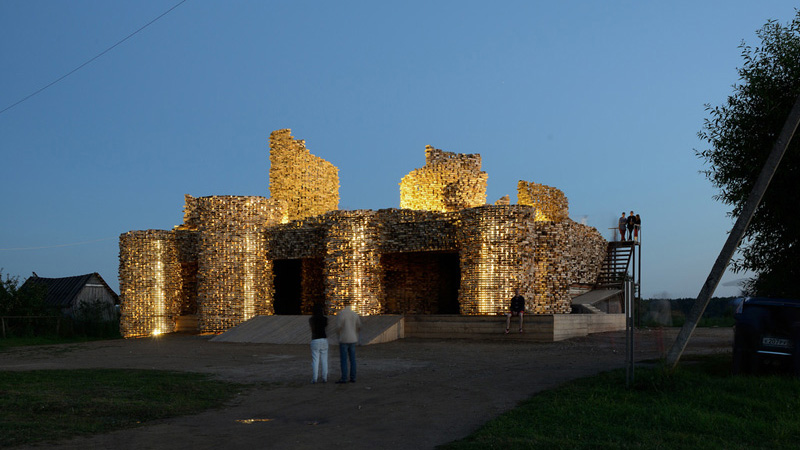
(189, 292)
(287, 299)
(421, 282)
(187, 321)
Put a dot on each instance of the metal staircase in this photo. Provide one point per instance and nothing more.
(615, 267)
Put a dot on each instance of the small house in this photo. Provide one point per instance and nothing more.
(81, 297)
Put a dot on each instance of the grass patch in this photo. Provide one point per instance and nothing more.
(699, 405)
(11, 342)
(45, 405)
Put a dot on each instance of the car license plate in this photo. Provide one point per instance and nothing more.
(776, 342)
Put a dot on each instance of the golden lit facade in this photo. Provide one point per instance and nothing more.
(551, 204)
(444, 252)
(150, 280)
(447, 182)
(234, 276)
(306, 184)
(495, 256)
(352, 262)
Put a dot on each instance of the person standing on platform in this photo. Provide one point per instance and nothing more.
(630, 223)
(319, 343)
(348, 324)
(637, 224)
(622, 223)
(517, 309)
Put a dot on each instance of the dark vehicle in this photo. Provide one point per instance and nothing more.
(767, 336)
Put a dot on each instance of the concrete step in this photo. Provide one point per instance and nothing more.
(378, 329)
(296, 330)
(537, 327)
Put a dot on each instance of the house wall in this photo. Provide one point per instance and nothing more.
(94, 302)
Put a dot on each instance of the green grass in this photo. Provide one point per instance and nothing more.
(697, 406)
(11, 342)
(56, 404)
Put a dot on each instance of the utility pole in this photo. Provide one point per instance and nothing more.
(736, 234)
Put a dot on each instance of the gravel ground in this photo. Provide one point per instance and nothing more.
(410, 394)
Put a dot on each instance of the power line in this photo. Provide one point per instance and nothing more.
(95, 57)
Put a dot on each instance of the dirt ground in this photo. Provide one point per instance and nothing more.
(410, 394)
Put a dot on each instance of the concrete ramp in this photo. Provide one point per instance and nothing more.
(295, 330)
(600, 301)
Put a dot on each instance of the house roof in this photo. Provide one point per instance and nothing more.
(61, 292)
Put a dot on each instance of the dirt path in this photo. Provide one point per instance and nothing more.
(410, 394)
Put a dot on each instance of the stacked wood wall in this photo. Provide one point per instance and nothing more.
(497, 255)
(307, 184)
(234, 275)
(352, 262)
(566, 253)
(150, 282)
(312, 284)
(447, 182)
(550, 202)
(405, 230)
(420, 282)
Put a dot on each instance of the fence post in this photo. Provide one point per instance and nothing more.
(629, 333)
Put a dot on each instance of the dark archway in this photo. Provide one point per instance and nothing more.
(421, 282)
(287, 299)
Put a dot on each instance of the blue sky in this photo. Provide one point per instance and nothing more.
(602, 100)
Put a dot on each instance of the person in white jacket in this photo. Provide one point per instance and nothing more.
(348, 323)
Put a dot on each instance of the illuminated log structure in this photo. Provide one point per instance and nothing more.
(448, 182)
(444, 251)
(566, 253)
(352, 262)
(306, 184)
(234, 276)
(503, 201)
(150, 282)
(496, 257)
(550, 203)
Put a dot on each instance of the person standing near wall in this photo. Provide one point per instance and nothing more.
(319, 343)
(517, 308)
(622, 223)
(348, 323)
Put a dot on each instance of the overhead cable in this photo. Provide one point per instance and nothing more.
(95, 57)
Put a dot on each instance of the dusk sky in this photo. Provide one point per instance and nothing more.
(602, 100)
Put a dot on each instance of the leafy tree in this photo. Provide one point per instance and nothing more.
(18, 301)
(741, 133)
